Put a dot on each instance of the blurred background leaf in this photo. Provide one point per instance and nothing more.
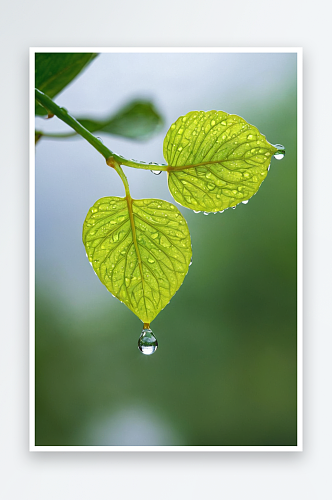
(136, 120)
(54, 71)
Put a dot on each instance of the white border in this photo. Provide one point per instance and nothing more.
(32, 254)
(299, 52)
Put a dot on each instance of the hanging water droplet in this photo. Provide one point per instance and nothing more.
(191, 261)
(234, 207)
(197, 211)
(147, 343)
(245, 202)
(100, 139)
(156, 172)
(206, 213)
(280, 153)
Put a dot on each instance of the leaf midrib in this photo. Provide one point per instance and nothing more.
(133, 228)
(173, 168)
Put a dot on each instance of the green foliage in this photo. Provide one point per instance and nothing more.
(139, 249)
(54, 71)
(136, 120)
(216, 160)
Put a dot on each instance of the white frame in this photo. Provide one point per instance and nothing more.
(299, 52)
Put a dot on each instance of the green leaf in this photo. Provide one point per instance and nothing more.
(137, 120)
(139, 249)
(53, 71)
(216, 160)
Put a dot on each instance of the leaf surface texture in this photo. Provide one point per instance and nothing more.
(139, 249)
(215, 160)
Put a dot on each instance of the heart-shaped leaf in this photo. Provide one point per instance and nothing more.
(137, 120)
(215, 160)
(53, 71)
(139, 249)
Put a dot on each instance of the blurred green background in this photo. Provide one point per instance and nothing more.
(225, 370)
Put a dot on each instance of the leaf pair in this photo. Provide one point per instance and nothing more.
(141, 249)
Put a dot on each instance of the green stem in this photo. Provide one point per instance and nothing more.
(112, 163)
(56, 135)
(63, 115)
(143, 166)
(110, 157)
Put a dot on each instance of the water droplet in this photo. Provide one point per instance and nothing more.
(180, 149)
(147, 343)
(191, 261)
(197, 211)
(206, 213)
(156, 172)
(280, 153)
(234, 207)
(100, 140)
(245, 202)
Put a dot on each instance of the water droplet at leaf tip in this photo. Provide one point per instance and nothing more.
(147, 342)
(279, 155)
